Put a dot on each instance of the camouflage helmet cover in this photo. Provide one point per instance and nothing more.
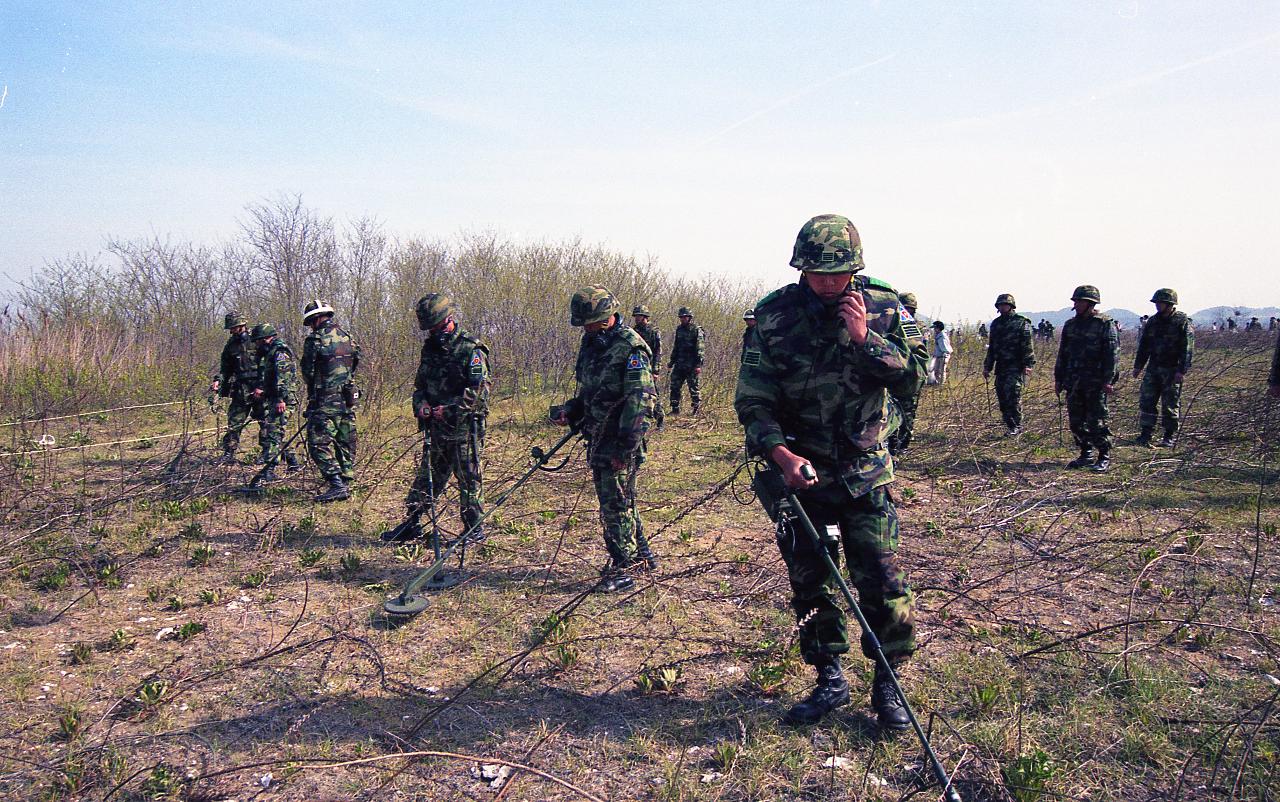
(433, 309)
(316, 307)
(262, 331)
(640, 310)
(908, 299)
(1087, 292)
(1165, 296)
(234, 319)
(684, 312)
(1007, 298)
(750, 314)
(592, 304)
(828, 244)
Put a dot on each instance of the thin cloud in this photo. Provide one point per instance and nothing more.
(808, 90)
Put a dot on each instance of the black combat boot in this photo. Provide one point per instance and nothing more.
(830, 692)
(267, 476)
(1083, 461)
(1144, 438)
(477, 536)
(697, 405)
(890, 711)
(338, 491)
(405, 532)
(615, 579)
(290, 462)
(1103, 463)
(228, 458)
(1167, 440)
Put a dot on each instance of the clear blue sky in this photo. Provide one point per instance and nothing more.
(980, 147)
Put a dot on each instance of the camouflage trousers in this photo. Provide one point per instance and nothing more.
(680, 374)
(272, 434)
(868, 532)
(1159, 388)
(331, 442)
(1087, 414)
(616, 491)
(1009, 394)
(238, 416)
(442, 458)
(901, 439)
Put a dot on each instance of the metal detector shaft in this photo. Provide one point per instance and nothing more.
(948, 791)
(541, 458)
(283, 448)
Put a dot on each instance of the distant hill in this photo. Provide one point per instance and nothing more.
(1202, 319)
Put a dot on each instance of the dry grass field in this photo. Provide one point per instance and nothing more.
(1115, 636)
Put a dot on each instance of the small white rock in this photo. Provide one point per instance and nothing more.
(710, 777)
(265, 780)
(837, 762)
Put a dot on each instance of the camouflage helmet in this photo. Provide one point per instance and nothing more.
(592, 304)
(1007, 298)
(828, 244)
(262, 331)
(1086, 292)
(684, 312)
(1165, 296)
(908, 299)
(234, 319)
(316, 307)
(750, 314)
(433, 309)
(640, 310)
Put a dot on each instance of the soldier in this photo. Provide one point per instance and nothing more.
(1273, 380)
(276, 390)
(329, 361)
(1253, 325)
(614, 402)
(450, 401)
(812, 393)
(908, 404)
(982, 330)
(941, 353)
(652, 338)
(1010, 353)
(686, 360)
(749, 321)
(1087, 369)
(236, 379)
(1165, 346)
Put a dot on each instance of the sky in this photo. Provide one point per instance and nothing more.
(979, 147)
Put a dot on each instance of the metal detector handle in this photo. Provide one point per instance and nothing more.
(940, 773)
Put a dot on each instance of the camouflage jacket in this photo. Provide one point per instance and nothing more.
(652, 338)
(239, 368)
(329, 361)
(1274, 379)
(690, 346)
(803, 383)
(1009, 345)
(1166, 342)
(616, 394)
(453, 372)
(278, 373)
(1089, 354)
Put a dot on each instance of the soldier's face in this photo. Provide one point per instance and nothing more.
(686, 320)
(828, 286)
(1082, 307)
(751, 324)
(1164, 309)
(1005, 309)
(238, 330)
(640, 319)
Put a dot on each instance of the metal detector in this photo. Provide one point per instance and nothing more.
(410, 601)
(789, 509)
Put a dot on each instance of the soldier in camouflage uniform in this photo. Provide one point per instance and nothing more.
(749, 323)
(1165, 347)
(329, 361)
(813, 392)
(687, 354)
(908, 404)
(238, 375)
(1087, 369)
(1010, 353)
(652, 338)
(614, 403)
(451, 402)
(276, 391)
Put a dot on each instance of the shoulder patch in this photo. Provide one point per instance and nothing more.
(477, 359)
(282, 356)
(751, 357)
(636, 361)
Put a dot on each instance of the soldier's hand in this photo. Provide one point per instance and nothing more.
(697, 371)
(423, 412)
(437, 412)
(562, 419)
(1108, 389)
(790, 465)
(1177, 378)
(853, 311)
(214, 387)
(1027, 370)
(279, 407)
(257, 392)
